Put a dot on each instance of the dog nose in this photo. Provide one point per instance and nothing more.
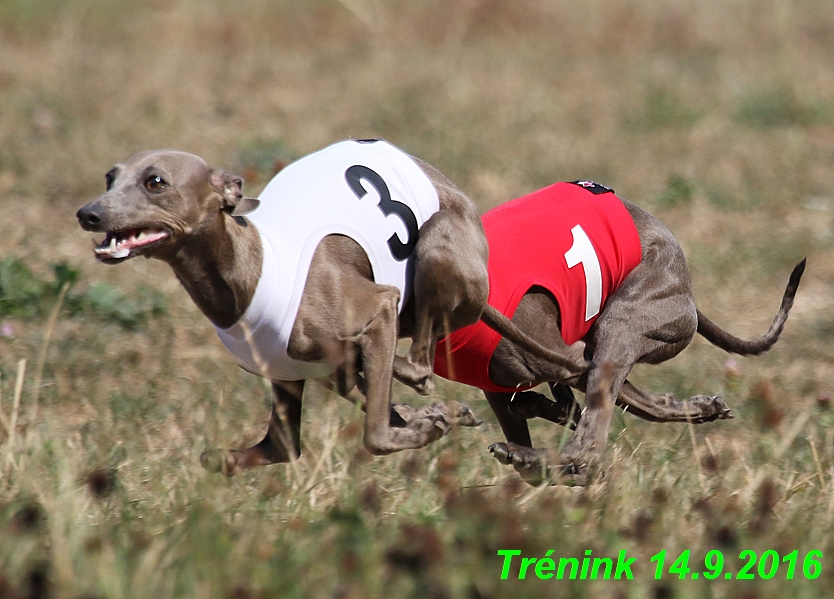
(89, 217)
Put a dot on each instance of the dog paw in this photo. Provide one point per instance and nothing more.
(425, 387)
(431, 427)
(501, 452)
(721, 407)
(450, 413)
(219, 461)
(531, 464)
(707, 408)
(419, 379)
(461, 414)
(537, 466)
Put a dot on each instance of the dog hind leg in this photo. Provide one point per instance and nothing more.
(451, 286)
(666, 408)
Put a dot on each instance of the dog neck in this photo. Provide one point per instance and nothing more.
(220, 265)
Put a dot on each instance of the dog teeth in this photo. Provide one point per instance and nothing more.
(109, 248)
(104, 247)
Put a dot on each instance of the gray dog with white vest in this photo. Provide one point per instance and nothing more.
(345, 250)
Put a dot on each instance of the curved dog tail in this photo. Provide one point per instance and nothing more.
(730, 343)
(506, 328)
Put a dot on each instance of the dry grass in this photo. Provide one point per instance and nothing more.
(716, 116)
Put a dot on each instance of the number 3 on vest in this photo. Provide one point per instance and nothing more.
(354, 176)
(582, 252)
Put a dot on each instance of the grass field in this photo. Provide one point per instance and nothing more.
(716, 116)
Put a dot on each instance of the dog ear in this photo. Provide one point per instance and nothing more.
(245, 206)
(230, 188)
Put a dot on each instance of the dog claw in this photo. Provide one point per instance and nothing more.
(724, 410)
(571, 469)
(501, 452)
(527, 463)
(466, 417)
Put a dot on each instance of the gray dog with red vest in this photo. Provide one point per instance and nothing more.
(591, 276)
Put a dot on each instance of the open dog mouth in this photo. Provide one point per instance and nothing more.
(120, 245)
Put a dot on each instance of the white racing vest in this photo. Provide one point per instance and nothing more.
(369, 191)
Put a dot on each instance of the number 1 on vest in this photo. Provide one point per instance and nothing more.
(582, 252)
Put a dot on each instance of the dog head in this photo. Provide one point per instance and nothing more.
(155, 200)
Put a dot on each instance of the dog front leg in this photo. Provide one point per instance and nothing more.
(282, 442)
(515, 430)
(563, 409)
(513, 410)
(585, 445)
(591, 435)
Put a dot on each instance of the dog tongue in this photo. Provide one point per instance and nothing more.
(139, 238)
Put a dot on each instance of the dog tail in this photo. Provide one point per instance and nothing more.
(506, 328)
(718, 336)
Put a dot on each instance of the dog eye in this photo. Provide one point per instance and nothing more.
(155, 183)
(109, 178)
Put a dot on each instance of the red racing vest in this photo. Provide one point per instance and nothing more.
(577, 240)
